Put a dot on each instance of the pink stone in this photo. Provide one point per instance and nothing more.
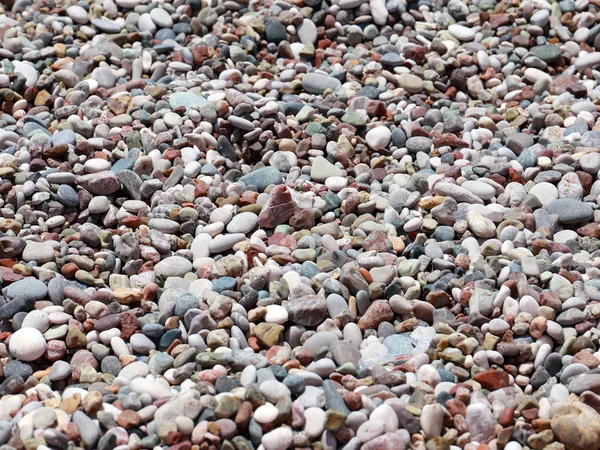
(278, 209)
(377, 241)
(84, 356)
(101, 183)
(388, 441)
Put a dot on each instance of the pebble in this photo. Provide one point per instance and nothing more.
(358, 225)
(27, 344)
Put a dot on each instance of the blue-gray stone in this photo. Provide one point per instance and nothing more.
(187, 99)
(547, 53)
(309, 269)
(67, 195)
(27, 288)
(63, 137)
(122, 164)
(262, 178)
(153, 330)
(224, 284)
(32, 128)
(9, 309)
(591, 139)
(184, 303)
(160, 362)
(317, 83)
(391, 60)
(88, 431)
(107, 26)
(399, 344)
(208, 169)
(111, 364)
(446, 375)
(444, 233)
(571, 211)
(164, 33)
(295, 384)
(275, 31)
(399, 137)
(167, 339)
(527, 159)
(17, 368)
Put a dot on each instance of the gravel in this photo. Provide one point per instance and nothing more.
(270, 225)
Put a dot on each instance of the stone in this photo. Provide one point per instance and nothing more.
(410, 83)
(322, 169)
(317, 83)
(576, 425)
(378, 137)
(309, 310)
(262, 178)
(173, 266)
(27, 344)
(242, 223)
(570, 211)
(186, 99)
(40, 252)
(278, 209)
(461, 32)
(27, 288)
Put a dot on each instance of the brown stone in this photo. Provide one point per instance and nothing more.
(577, 426)
(243, 416)
(302, 219)
(438, 299)
(492, 379)
(70, 405)
(590, 230)
(127, 296)
(75, 338)
(551, 300)
(129, 419)
(101, 183)
(379, 311)
(537, 327)
(587, 359)
(92, 402)
(268, 333)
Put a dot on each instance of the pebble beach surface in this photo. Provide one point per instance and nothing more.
(304, 224)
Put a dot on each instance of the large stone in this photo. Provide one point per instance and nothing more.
(27, 288)
(27, 344)
(187, 99)
(173, 266)
(570, 211)
(317, 83)
(11, 246)
(577, 426)
(309, 310)
(101, 183)
(321, 169)
(261, 178)
(278, 208)
(40, 252)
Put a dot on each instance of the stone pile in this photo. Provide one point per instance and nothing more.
(293, 225)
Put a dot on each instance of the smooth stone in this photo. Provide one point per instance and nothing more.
(317, 83)
(378, 137)
(570, 211)
(27, 288)
(40, 252)
(321, 169)
(173, 266)
(27, 344)
(242, 223)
